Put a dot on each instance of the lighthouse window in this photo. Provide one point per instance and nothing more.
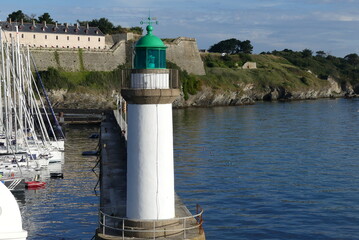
(140, 59)
(155, 59)
(162, 59)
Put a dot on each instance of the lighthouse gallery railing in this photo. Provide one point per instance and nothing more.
(116, 226)
(173, 77)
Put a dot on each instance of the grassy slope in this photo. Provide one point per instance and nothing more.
(272, 71)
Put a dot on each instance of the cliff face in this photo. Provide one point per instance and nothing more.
(249, 95)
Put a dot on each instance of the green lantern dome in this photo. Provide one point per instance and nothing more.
(150, 51)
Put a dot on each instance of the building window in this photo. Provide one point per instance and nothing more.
(68, 47)
(57, 46)
(89, 38)
(10, 35)
(45, 36)
(78, 38)
(57, 37)
(99, 39)
(34, 36)
(22, 35)
(68, 38)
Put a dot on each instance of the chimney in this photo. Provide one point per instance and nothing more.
(44, 23)
(66, 25)
(10, 20)
(22, 22)
(56, 25)
(87, 26)
(33, 23)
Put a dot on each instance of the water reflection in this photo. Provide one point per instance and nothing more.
(67, 207)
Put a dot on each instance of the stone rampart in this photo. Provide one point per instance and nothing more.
(182, 51)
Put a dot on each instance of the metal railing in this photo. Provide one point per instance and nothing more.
(124, 227)
(173, 83)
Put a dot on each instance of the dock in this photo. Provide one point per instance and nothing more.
(113, 223)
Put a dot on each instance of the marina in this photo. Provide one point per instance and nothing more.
(146, 170)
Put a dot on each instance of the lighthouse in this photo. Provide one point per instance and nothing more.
(150, 92)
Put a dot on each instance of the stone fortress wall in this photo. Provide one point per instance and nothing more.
(182, 51)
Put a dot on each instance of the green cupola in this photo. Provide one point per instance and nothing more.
(150, 51)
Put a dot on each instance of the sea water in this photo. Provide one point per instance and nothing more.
(265, 171)
(272, 170)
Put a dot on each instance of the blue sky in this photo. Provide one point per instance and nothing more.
(328, 25)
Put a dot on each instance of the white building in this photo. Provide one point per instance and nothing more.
(54, 36)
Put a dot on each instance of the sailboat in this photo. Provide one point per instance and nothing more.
(25, 145)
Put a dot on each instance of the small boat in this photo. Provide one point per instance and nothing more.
(56, 175)
(90, 153)
(35, 184)
(14, 184)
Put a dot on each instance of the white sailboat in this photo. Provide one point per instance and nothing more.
(25, 145)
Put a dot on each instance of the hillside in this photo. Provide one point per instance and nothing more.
(225, 83)
(275, 78)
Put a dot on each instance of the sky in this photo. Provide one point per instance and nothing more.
(319, 25)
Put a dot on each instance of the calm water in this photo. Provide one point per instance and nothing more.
(272, 170)
(67, 208)
(267, 171)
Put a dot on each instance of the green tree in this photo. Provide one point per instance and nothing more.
(46, 18)
(103, 24)
(352, 59)
(321, 54)
(18, 15)
(307, 53)
(230, 46)
(246, 47)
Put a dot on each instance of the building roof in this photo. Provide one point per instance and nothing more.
(51, 28)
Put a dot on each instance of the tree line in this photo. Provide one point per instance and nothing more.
(320, 63)
(103, 24)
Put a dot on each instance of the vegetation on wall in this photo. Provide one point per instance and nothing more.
(82, 81)
(190, 83)
(82, 66)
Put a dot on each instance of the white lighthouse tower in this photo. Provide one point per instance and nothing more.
(150, 92)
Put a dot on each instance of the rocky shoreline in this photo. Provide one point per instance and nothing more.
(208, 97)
